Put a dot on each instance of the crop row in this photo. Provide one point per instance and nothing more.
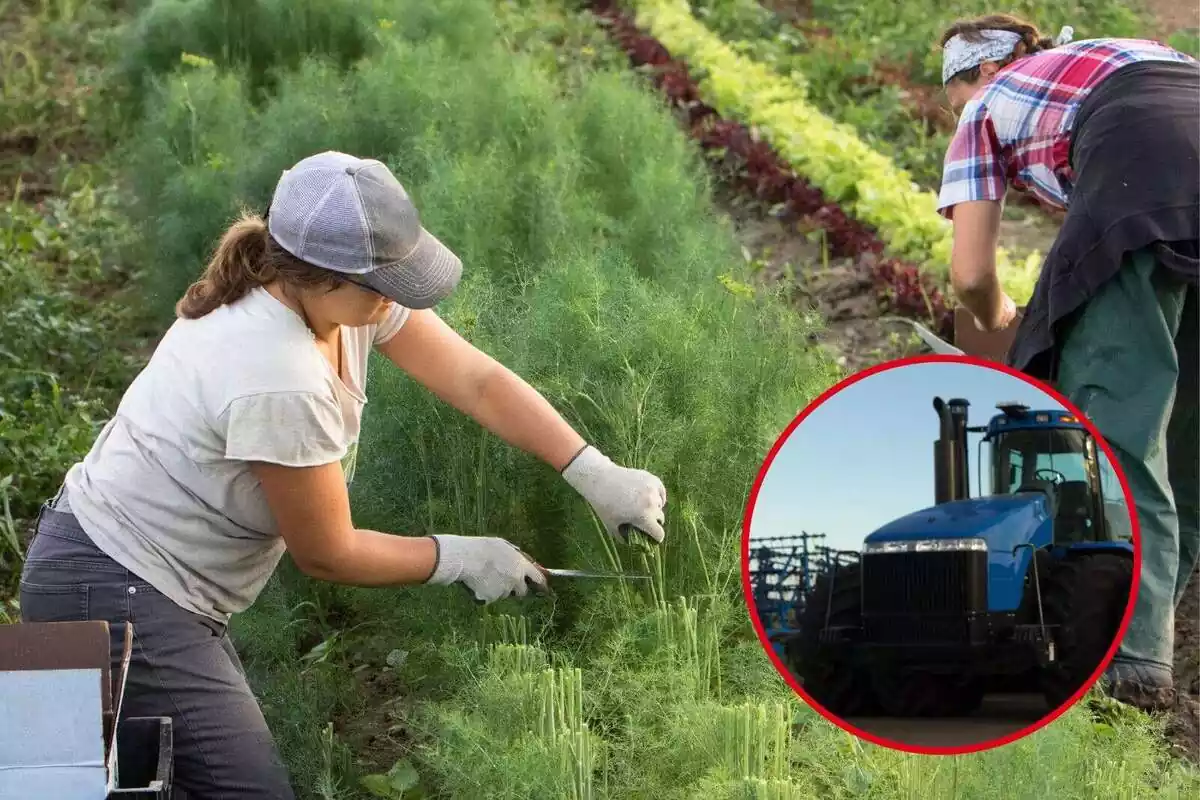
(555, 730)
(872, 64)
(829, 154)
(843, 78)
(903, 287)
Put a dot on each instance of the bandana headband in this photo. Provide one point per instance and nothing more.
(960, 54)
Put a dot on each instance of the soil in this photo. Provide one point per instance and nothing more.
(842, 292)
(1024, 229)
(793, 11)
(1187, 639)
(1183, 727)
(1173, 15)
(923, 102)
(378, 734)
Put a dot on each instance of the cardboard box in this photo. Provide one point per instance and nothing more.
(60, 702)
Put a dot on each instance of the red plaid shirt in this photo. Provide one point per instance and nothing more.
(1017, 131)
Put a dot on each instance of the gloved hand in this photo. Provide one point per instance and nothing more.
(620, 496)
(491, 568)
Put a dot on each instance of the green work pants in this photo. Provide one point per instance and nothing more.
(1129, 361)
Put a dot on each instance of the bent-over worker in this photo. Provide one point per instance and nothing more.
(1106, 129)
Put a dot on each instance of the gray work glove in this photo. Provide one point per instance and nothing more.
(491, 568)
(620, 496)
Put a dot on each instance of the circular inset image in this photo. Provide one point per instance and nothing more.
(939, 555)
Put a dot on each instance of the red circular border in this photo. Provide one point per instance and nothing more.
(778, 662)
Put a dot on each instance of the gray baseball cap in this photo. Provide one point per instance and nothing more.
(350, 215)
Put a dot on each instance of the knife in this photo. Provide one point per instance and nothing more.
(579, 573)
(931, 339)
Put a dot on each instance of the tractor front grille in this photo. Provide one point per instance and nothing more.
(916, 628)
(923, 596)
(925, 583)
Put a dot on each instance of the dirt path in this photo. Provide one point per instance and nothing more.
(1000, 715)
(1183, 728)
(842, 291)
(1187, 639)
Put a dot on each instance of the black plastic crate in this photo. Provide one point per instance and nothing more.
(145, 753)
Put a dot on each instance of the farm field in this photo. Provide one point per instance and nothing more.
(677, 285)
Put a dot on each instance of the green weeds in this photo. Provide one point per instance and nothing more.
(508, 659)
(561, 726)
(11, 553)
(69, 334)
(692, 637)
(63, 362)
(1186, 41)
(906, 32)
(263, 37)
(50, 56)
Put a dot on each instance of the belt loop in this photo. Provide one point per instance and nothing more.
(49, 505)
(58, 496)
(37, 523)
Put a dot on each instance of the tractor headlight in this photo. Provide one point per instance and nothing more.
(926, 546)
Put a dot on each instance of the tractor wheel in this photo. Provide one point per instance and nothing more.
(1085, 597)
(829, 677)
(912, 693)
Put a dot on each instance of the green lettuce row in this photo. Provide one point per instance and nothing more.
(830, 155)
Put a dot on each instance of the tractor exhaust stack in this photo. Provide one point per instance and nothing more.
(950, 451)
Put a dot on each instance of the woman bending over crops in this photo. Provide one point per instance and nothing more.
(1105, 128)
(237, 441)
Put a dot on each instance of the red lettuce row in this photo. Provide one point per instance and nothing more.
(901, 287)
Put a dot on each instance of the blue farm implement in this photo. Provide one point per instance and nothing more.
(782, 571)
(1022, 590)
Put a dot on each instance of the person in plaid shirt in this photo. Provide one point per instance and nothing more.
(1106, 129)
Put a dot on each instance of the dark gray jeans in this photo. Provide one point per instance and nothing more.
(183, 665)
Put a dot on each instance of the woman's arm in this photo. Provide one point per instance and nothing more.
(476, 384)
(479, 386)
(312, 511)
(311, 507)
(973, 262)
(974, 182)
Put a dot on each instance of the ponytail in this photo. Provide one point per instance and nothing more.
(247, 257)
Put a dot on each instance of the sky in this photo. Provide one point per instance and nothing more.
(865, 456)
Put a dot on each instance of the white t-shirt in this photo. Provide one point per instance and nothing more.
(166, 490)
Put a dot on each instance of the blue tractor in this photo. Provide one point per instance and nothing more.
(1020, 590)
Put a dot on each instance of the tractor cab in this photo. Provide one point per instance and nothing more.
(1051, 452)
